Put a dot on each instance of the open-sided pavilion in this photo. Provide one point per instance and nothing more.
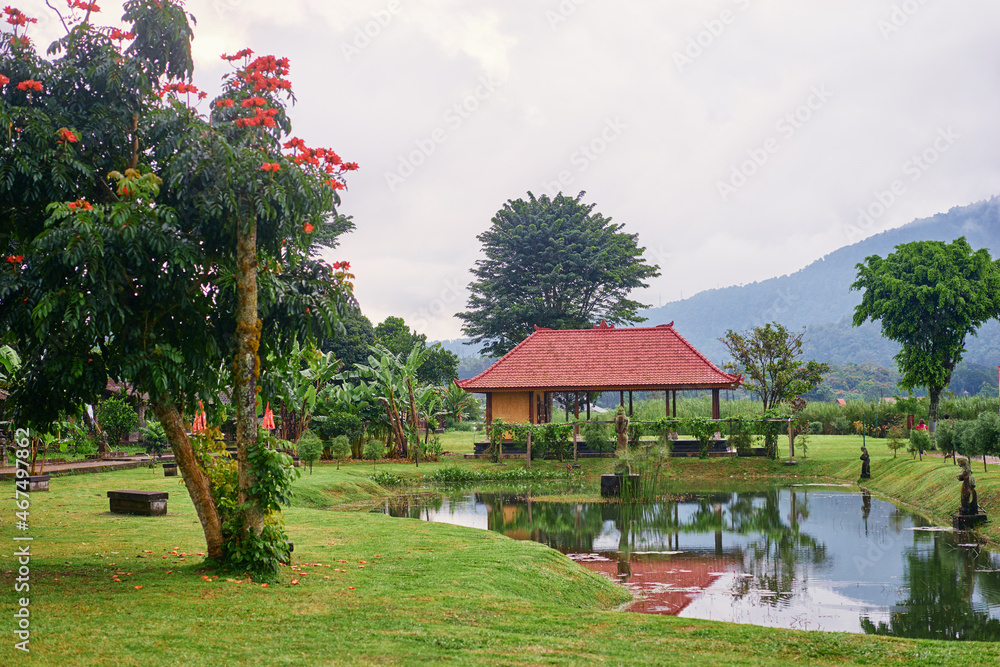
(520, 385)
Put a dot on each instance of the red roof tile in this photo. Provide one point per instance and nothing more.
(602, 358)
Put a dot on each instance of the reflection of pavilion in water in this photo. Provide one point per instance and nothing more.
(634, 546)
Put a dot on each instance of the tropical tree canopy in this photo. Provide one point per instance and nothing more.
(768, 359)
(929, 296)
(554, 263)
(146, 241)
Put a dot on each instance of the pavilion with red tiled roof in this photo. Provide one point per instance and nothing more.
(519, 386)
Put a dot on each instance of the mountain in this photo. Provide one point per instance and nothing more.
(818, 297)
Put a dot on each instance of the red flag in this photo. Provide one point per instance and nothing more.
(268, 422)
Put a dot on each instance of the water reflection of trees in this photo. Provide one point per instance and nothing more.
(941, 578)
(778, 548)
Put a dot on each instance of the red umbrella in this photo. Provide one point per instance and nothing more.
(268, 422)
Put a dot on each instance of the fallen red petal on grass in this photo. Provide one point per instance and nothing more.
(163, 556)
(350, 588)
(138, 587)
(378, 555)
(170, 571)
(294, 582)
(341, 561)
(263, 585)
(327, 577)
(363, 561)
(200, 553)
(147, 551)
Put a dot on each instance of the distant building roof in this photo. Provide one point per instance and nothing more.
(602, 359)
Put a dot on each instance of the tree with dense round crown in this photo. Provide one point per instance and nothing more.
(178, 281)
(554, 263)
(929, 296)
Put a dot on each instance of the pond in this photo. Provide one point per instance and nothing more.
(811, 558)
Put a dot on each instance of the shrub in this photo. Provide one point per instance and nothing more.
(309, 448)
(598, 436)
(340, 449)
(895, 440)
(841, 426)
(462, 475)
(920, 442)
(944, 437)
(741, 438)
(374, 449)
(432, 450)
(155, 437)
(459, 426)
(117, 418)
(383, 478)
(816, 428)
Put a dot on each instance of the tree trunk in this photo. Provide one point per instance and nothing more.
(932, 410)
(194, 477)
(247, 367)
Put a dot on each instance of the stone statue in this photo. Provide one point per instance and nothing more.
(866, 467)
(970, 499)
(621, 428)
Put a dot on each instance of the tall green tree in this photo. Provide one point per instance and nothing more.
(768, 358)
(178, 281)
(351, 347)
(929, 296)
(439, 365)
(554, 263)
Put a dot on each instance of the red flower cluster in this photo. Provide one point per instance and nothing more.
(270, 166)
(15, 259)
(182, 87)
(85, 6)
(308, 228)
(30, 84)
(67, 135)
(119, 35)
(239, 54)
(225, 102)
(341, 266)
(81, 204)
(322, 158)
(4, 80)
(253, 101)
(260, 70)
(17, 17)
(335, 184)
(264, 117)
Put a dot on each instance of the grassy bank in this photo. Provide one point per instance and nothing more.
(426, 594)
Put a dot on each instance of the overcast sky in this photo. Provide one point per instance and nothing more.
(739, 138)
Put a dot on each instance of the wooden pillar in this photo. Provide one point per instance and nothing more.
(489, 409)
(527, 458)
(588, 406)
(675, 404)
(576, 427)
(630, 403)
(621, 399)
(531, 407)
(666, 402)
(715, 404)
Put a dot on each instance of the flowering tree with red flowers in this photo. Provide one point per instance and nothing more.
(148, 242)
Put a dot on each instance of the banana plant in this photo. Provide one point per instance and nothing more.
(299, 379)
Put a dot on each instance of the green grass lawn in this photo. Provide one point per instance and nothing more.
(426, 594)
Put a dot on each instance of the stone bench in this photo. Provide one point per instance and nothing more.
(145, 503)
(170, 470)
